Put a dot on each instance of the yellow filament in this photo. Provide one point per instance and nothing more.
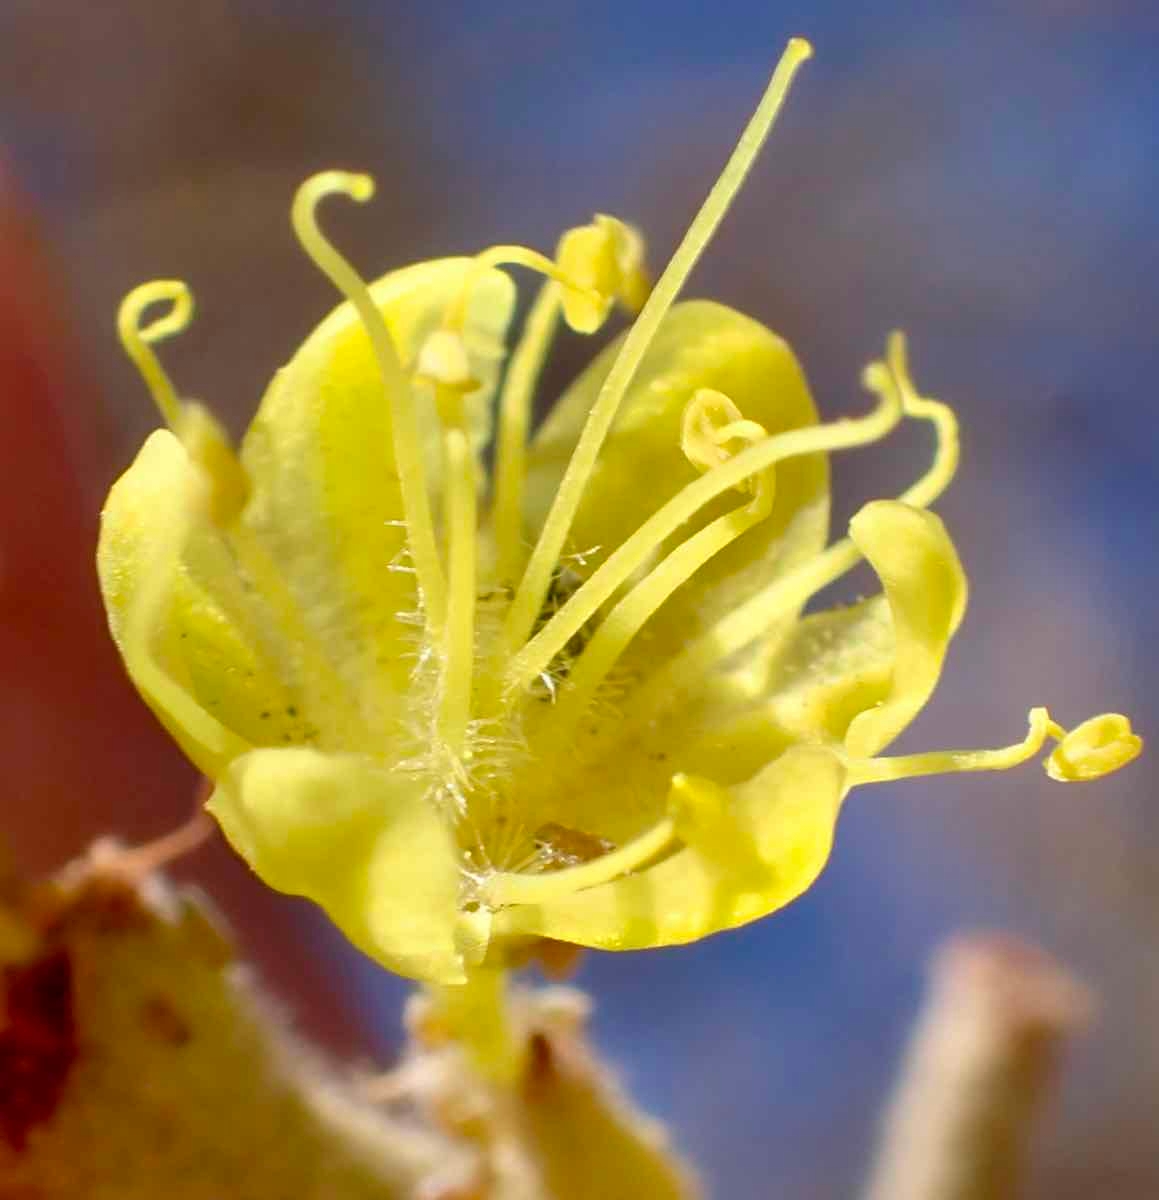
(504, 887)
(705, 444)
(475, 1016)
(138, 340)
(749, 620)
(537, 578)
(510, 256)
(629, 616)
(941, 471)
(459, 633)
(514, 421)
(633, 553)
(408, 453)
(743, 625)
(942, 762)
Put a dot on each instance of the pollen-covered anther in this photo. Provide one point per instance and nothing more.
(1095, 748)
(606, 262)
(713, 431)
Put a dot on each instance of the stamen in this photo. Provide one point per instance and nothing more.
(137, 340)
(199, 432)
(459, 634)
(218, 487)
(635, 552)
(508, 256)
(504, 887)
(1095, 748)
(943, 762)
(514, 421)
(537, 577)
(408, 452)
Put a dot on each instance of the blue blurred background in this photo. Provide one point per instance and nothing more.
(982, 175)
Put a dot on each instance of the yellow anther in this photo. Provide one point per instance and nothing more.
(606, 260)
(512, 256)
(629, 248)
(208, 445)
(713, 431)
(443, 359)
(1093, 749)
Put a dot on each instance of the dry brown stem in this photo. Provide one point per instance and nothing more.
(982, 1060)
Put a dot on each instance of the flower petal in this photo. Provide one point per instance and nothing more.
(362, 842)
(326, 500)
(699, 345)
(780, 830)
(204, 635)
(926, 589)
(855, 675)
(860, 674)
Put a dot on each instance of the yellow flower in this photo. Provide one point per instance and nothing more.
(577, 700)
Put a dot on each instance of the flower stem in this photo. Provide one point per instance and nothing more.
(475, 1014)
